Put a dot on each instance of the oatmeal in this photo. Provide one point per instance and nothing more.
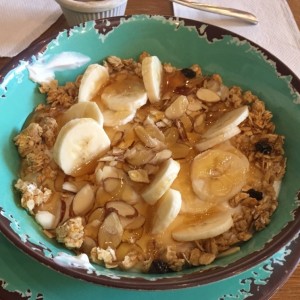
(144, 166)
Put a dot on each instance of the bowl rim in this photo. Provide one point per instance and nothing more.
(286, 235)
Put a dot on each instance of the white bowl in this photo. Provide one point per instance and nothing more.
(77, 11)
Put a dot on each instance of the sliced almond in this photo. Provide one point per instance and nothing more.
(77, 184)
(224, 92)
(110, 232)
(181, 130)
(87, 245)
(97, 214)
(193, 137)
(116, 139)
(113, 185)
(177, 108)
(128, 139)
(70, 187)
(199, 123)
(111, 172)
(194, 105)
(153, 130)
(156, 115)
(83, 200)
(207, 95)
(161, 156)
(186, 122)
(108, 158)
(147, 139)
(136, 222)
(139, 175)
(180, 151)
(132, 235)
(139, 157)
(125, 248)
(91, 229)
(129, 195)
(102, 197)
(121, 208)
(213, 85)
(172, 135)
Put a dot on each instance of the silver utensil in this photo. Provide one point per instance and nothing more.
(226, 11)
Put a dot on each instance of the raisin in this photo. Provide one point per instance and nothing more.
(264, 147)
(159, 267)
(188, 73)
(255, 194)
(182, 90)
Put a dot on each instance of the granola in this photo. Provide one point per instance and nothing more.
(114, 225)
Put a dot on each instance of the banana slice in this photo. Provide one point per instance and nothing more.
(218, 175)
(227, 121)
(117, 118)
(152, 73)
(78, 142)
(211, 226)
(94, 77)
(162, 181)
(83, 110)
(128, 94)
(168, 209)
(205, 144)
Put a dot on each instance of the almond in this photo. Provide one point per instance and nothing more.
(161, 156)
(97, 214)
(121, 208)
(172, 135)
(113, 185)
(116, 139)
(139, 175)
(102, 197)
(87, 245)
(177, 108)
(194, 105)
(132, 235)
(128, 139)
(207, 95)
(126, 248)
(153, 130)
(199, 123)
(129, 195)
(147, 139)
(139, 157)
(83, 200)
(180, 151)
(186, 122)
(70, 187)
(136, 222)
(91, 229)
(110, 232)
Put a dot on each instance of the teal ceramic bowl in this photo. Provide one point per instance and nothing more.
(182, 43)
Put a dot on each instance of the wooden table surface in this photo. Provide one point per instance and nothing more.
(291, 289)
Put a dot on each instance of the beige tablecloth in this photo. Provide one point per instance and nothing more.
(276, 31)
(22, 21)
